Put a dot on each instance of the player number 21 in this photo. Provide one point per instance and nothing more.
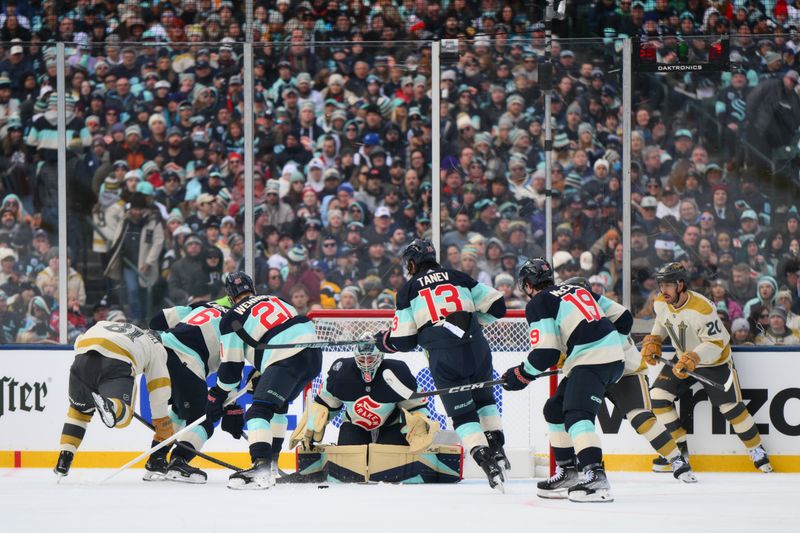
(451, 299)
(271, 312)
(585, 303)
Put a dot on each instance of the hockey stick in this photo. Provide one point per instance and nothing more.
(169, 440)
(723, 387)
(191, 449)
(250, 341)
(409, 394)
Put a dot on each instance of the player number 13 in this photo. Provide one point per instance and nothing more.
(451, 300)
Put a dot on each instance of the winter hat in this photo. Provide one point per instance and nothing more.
(116, 316)
(778, 311)
(585, 126)
(463, 121)
(740, 324)
(469, 251)
(297, 254)
(587, 261)
(503, 279)
(175, 214)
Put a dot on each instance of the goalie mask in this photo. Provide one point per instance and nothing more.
(368, 359)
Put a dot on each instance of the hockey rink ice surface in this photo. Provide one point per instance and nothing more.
(31, 501)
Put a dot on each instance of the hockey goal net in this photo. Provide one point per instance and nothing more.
(526, 434)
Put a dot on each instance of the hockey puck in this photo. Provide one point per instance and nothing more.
(323, 486)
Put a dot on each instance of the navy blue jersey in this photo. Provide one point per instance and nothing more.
(368, 405)
(430, 297)
(568, 319)
(268, 320)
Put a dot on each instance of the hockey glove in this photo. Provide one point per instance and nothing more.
(651, 349)
(233, 420)
(163, 427)
(515, 378)
(311, 427)
(686, 363)
(419, 431)
(382, 342)
(216, 398)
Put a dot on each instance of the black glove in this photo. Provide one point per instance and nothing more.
(233, 420)
(515, 378)
(382, 342)
(216, 397)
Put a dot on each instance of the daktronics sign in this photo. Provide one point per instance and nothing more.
(678, 68)
(22, 396)
(756, 400)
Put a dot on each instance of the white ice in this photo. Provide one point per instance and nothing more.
(31, 501)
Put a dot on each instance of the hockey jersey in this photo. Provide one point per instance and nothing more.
(430, 297)
(694, 327)
(192, 332)
(368, 405)
(568, 319)
(623, 322)
(142, 349)
(265, 319)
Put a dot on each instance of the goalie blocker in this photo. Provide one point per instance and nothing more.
(382, 462)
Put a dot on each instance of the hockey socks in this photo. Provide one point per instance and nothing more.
(74, 429)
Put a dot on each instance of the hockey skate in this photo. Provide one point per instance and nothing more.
(155, 468)
(761, 459)
(496, 440)
(64, 463)
(681, 470)
(106, 409)
(483, 456)
(662, 465)
(257, 477)
(181, 471)
(556, 486)
(592, 487)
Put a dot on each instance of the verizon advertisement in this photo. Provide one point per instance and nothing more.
(33, 402)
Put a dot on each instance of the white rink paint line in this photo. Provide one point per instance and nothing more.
(31, 501)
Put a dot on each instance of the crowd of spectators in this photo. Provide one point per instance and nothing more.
(342, 148)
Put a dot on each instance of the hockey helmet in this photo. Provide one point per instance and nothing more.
(237, 283)
(368, 359)
(535, 271)
(580, 281)
(672, 273)
(420, 251)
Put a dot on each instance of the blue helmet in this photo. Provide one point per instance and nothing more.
(535, 271)
(237, 283)
(420, 251)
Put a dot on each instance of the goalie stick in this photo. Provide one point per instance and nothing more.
(198, 453)
(409, 394)
(250, 341)
(720, 386)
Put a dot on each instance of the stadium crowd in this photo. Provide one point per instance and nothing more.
(342, 119)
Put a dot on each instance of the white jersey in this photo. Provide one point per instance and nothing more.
(140, 348)
(694, 327)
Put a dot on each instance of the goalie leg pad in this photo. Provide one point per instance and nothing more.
(396, 464)
(346, 464)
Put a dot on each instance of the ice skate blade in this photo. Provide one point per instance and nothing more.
(194, 479)
(598, 496)
(767, 468)
(254, 484)
(105, 415)
(558, 494)
(153, 476)
(499, 487)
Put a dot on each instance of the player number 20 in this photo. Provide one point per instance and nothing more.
(451, 300)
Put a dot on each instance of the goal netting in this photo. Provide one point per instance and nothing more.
(526, 433)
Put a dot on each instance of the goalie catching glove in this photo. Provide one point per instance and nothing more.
(651, 349)
(311, 427)
(686, 363)
(419, 431)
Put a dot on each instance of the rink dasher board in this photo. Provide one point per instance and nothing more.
(33, 402)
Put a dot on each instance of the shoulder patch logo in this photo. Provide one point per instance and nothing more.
(336, 366)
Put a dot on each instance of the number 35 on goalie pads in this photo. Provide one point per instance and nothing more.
(439, 463)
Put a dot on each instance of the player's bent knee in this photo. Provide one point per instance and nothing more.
(259, 410)
(553, 412)
(575, 416)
